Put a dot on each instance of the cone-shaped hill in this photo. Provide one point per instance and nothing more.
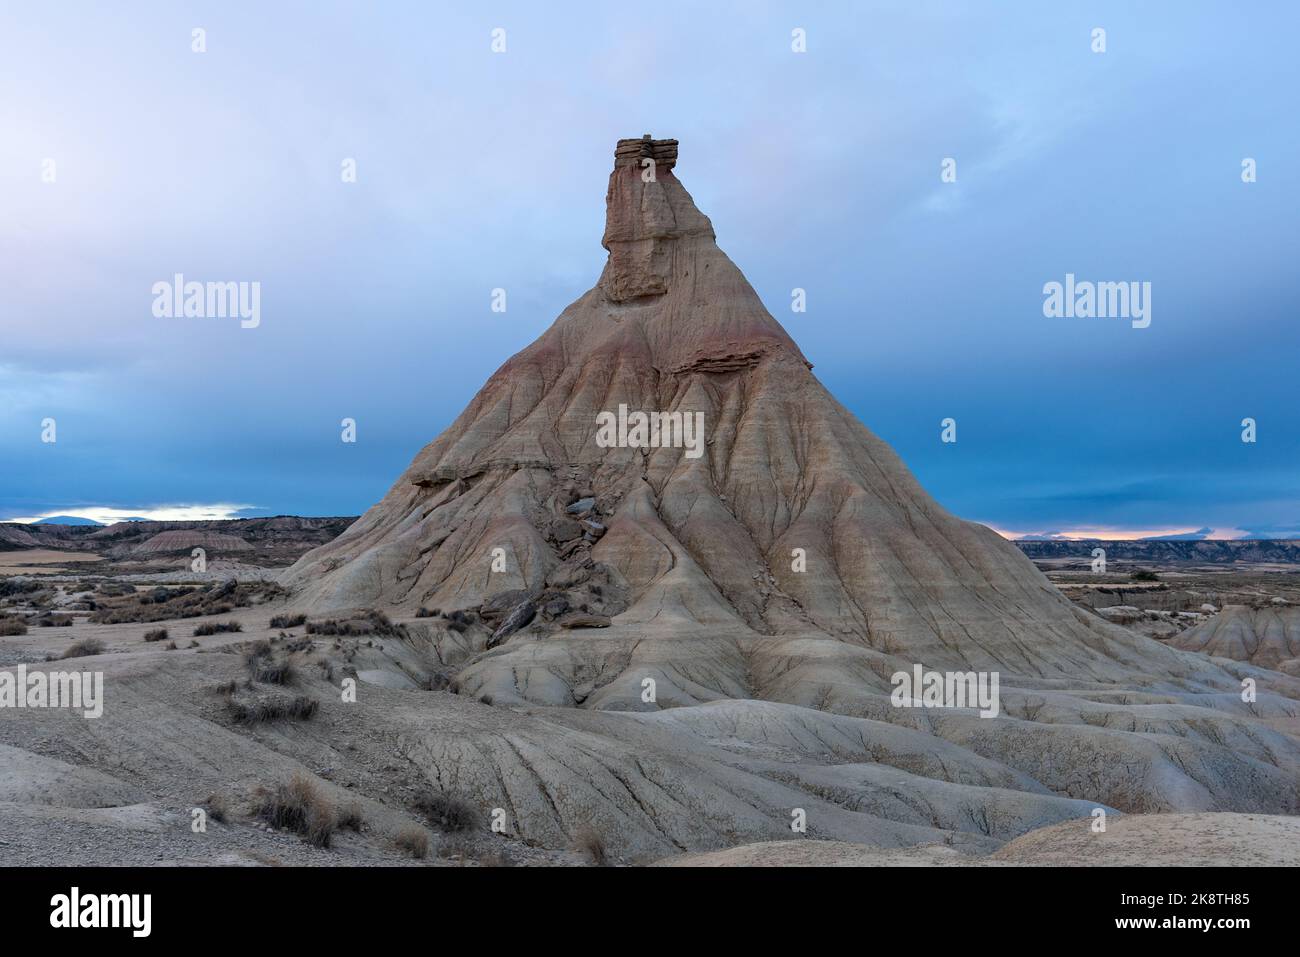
(782, 551)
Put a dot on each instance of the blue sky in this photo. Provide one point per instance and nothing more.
(820, 170)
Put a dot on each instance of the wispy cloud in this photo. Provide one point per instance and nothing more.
(156, 513)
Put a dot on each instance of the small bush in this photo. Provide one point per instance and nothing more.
(1144, 575)
(299, 708)
(54, 621)
(413, 840)
(447, 811)
(273, 672)
(84, 648)
(216, 628)
(288, 621)
(10, 625)
(299, 806)
(350, 817)
(589, 842)
(426, 613)
(218, 808)
(158, 634)
(170, 646)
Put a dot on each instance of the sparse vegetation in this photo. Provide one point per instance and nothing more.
(279, 708)
(216, 628)
(427, 613)
(298, 805)
(1144, 575)
(84, 648)
(11, 625)
(413, 840)
(372, 623)
(447, 811)
(288, 621)
(158, 634)
(12, 587)
(162, 603)
(54, 621)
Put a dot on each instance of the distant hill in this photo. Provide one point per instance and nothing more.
(277, 541)
(1153, 551)
(68, 520)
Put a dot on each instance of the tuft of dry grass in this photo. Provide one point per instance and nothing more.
(158, 634)
(413, 840)
(447, 811)
(274, 672)
(350, 817)
(591, 843)
(11, 625)
(298, 805)
(84, 648)
(287, 621)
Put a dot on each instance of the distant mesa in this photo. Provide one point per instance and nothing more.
(66, 520)
(184, 540)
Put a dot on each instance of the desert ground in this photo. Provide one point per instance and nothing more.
(121, 789)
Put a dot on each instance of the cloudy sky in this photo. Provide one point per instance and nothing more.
(820, 170)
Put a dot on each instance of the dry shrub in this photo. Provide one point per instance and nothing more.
(84, 648)
(274, 672)
(216, 628)
(218, 807)
(590, 842)
(288, 621)
(298, 806)
(447, 811)
(158, 634)
(350, 818)
(371, 623)
(413, 840)
(299, 707)
(10, 626)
